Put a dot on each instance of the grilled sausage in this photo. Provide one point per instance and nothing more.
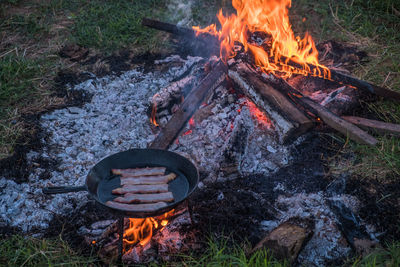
(145, 198)
(148, 179)
(149, 171)
(136, 207)
(141, 189)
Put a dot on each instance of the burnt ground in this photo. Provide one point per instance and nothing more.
(249, 200)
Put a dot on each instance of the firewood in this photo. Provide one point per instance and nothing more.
(168, 27)
(349, 80)
(332, 120)
(191, 103)
(378, 126)
(335, 75)
(287, 118)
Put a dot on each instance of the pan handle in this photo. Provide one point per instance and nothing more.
(63, 189)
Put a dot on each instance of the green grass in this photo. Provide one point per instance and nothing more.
(17, 76)
(27, 251)
(20, 251)
(219, 254)
(388, 257)
(19, 87)
(112, 25)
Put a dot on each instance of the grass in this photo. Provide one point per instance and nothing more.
(19, 77)
(388, 257)
(218, 254)
(112, 25)
(20, 251)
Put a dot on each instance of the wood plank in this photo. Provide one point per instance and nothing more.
(191, 103)
(377, 126)
(332, 120)
(287, 118)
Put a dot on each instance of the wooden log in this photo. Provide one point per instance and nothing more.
(332, 120)
(377, 126)
(168, 27)
(191, 103)
(287, 118)
(349, 80)
(335, 75)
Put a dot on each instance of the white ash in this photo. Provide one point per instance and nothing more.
(327, 242)
(115, 120)
(226, 139)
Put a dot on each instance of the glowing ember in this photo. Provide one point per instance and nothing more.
(187, 132)
(258, 115)
(140, 231)
(269, 17)
(191, 122)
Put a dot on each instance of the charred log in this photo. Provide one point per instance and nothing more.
(287, 118)
(192, 102)
(332, 120)
(377, 126)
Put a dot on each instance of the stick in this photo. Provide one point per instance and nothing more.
(191, 103)
(168, 27)
(286, 116)
(378, 126)
(334, 121)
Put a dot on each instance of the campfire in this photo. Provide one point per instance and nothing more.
(241, 116)
(260, 54)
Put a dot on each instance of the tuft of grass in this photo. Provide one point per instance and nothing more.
(19, 78)
(20, 251)
(112, 25)
(219, 254)
(388, 257)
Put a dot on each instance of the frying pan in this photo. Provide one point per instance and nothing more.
(100, 181)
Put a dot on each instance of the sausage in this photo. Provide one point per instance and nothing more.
(136, 207)
(149, 171)
(148, 179)
(145, 198)
(156, 188)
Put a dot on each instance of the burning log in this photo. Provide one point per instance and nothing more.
(335, 75)
(349, 80)
(286, 116)
(192, 102)
(332, 120)
(378, 126)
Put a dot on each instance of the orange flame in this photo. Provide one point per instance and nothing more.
(153, 114)
(270, 17)
(141, 230)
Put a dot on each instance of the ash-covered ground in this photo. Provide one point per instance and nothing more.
(250, 183)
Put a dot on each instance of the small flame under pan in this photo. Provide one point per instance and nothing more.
(100, 181)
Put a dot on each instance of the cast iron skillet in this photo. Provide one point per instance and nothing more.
(100, 181)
